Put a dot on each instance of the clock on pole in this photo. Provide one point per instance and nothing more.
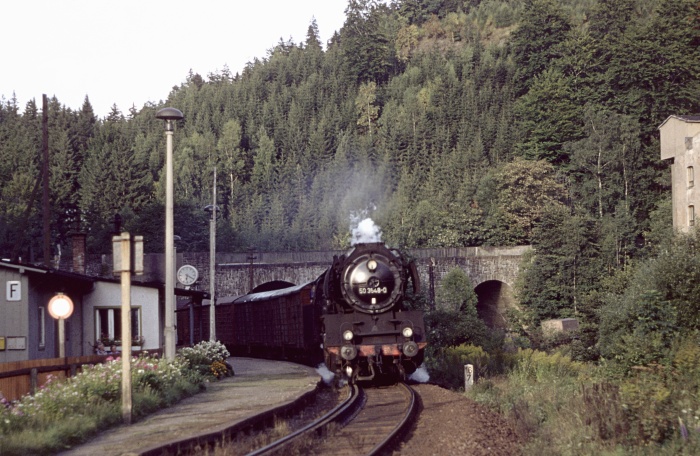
(187, 275)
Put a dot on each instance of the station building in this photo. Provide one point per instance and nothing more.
(28, 332)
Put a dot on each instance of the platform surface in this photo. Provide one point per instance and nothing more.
(257, 386)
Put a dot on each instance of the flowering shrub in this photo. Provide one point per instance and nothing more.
(205, 352)
(219, 369)
(202, 357)
(91, 400)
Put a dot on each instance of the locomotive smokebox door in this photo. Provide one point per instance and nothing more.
(372, 279)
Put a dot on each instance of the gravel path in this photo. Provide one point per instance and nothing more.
(451, 424)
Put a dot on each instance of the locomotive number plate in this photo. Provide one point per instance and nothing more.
(377, 290)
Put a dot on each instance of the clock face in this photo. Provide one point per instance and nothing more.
(187, 275)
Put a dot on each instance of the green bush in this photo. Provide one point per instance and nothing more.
(450, 328)
(447, 366)
(649, 403)
(543, 367)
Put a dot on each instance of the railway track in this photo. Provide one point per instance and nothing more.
(365, 423)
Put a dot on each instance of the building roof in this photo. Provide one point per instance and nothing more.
(692, 118)
(84, 279)
(53, 278)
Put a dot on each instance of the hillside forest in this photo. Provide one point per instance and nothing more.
(449, 122)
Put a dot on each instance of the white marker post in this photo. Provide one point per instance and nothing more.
(468, 376)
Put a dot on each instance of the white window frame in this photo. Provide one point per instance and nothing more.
(691, 215)
(691, 176)
(42, 328)
(113, 314)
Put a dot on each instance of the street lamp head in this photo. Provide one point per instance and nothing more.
(212, 210)
(169, 114)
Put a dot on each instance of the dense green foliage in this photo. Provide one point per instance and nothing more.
(413, 111)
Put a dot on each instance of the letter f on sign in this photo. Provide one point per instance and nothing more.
(14, 290)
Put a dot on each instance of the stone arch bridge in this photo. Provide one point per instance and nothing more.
(492, 271)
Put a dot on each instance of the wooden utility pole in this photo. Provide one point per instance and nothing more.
(45, 177)
(251, 258)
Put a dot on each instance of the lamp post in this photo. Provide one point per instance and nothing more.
(60, 308)
(213, 212)
(169, 115)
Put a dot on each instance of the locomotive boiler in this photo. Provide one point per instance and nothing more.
(353, 317)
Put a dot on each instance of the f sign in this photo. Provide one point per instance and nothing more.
(14, 290)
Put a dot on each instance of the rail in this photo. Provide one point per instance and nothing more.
(402, 426)
(340, 414)
(370, 421)
(383, 420)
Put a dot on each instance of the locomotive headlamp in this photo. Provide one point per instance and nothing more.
(372, 265)
(348, 335)
(348, 352)
(410, 349)
(348, 371)
(407, 332)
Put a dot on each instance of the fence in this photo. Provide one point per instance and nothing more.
(20, 378)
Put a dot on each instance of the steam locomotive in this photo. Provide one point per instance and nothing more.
(352, 317)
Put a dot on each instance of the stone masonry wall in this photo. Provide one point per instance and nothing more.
(233, 270)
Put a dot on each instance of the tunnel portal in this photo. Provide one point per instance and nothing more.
(495, 298)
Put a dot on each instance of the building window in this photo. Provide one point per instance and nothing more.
(691, 177)
(691, 215)
(42, 328)
(108, 323)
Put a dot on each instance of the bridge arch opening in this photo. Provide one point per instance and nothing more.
(495, 298)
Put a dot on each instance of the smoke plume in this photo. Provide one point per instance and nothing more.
(365, 231)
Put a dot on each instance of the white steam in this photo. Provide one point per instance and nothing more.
(421, 375)
(365, 231)
(325, 374)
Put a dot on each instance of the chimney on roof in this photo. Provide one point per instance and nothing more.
(78, 248)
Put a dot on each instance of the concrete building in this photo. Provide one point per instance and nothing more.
(680, 143)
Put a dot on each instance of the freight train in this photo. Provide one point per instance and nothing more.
(353, 317)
